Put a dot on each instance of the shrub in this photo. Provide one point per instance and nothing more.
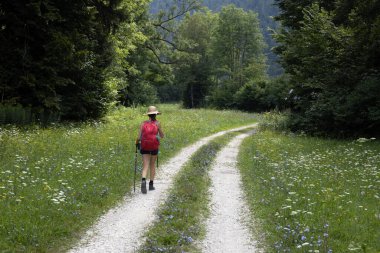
(275, 120)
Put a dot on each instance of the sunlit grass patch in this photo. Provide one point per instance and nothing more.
(54, 182)
(313, 195)
(181, 217)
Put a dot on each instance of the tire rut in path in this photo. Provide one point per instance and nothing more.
(121, 228)
(226, 228)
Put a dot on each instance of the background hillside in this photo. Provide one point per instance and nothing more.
(266, 11)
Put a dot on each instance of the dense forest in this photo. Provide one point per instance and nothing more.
(73, 60)
(331, 51)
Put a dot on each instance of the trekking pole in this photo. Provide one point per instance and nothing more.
(134, 177)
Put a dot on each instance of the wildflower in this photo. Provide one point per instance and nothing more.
(189, 239)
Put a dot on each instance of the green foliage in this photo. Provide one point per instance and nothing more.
(149, 64)
(222, 96)
(54, 54)
(311, 194)
(329, 55)
(237, 51)
(76, 59)
(126, 40)
(264, 95)
(291, 14)
(217, 54)
(238, 46)
(194, 70)
(142, 93)
(169, 93)
(146, 73)
(250, 97)
(266, 10)
(274, 121)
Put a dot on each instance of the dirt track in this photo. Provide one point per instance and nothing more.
(227, 230)
(121, 228)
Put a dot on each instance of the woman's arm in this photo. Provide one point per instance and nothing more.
(160, 132)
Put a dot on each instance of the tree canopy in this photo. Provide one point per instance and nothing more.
(74, 59)
(53, 54)
(329, 49)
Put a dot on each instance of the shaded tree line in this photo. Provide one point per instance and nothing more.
(53, 54)
(330, 49)
(74, 59)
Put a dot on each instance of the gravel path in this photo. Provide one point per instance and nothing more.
(226, 228)
(121, 228)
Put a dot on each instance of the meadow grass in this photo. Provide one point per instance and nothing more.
(54, 182)
(311, 194)
(181, 217)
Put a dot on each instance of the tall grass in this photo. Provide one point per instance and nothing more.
(54, 182)
(16, 114)
(311, 194)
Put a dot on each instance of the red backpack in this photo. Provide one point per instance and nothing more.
(149, 131)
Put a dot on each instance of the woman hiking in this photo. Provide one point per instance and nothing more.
(149, 139)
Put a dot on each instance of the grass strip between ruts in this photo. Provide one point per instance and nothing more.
(181, 217)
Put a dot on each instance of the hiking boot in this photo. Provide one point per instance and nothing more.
(143, 186)
(151, 187)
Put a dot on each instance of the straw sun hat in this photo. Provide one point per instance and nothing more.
(152, 110)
